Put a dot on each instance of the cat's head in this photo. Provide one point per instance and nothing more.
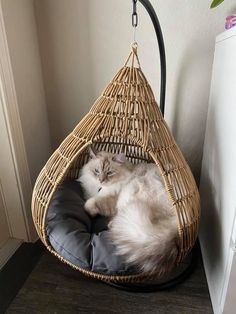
(108, 168)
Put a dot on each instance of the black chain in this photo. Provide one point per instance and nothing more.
(135, 15)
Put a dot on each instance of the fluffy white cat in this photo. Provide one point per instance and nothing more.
(143, 223)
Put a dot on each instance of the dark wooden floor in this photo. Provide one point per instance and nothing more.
(54, 288)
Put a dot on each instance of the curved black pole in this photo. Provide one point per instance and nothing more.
(147, 5)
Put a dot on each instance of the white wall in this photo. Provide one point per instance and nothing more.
(83, 43)
(63, 29)
(26, 65)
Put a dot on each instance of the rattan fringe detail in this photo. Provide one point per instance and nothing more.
(124, 118)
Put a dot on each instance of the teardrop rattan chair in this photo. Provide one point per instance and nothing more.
(124, 118)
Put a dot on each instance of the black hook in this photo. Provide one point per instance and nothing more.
(135, 15)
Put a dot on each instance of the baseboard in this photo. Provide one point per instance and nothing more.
(17, 270)
(8, 250)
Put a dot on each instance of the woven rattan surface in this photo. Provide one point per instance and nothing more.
(124, 118)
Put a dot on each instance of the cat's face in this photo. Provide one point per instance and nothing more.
(108, 168)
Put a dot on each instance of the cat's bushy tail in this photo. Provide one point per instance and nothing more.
(146, 242)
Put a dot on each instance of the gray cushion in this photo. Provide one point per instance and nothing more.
(78, 238)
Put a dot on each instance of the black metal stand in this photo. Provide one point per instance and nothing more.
(147, 5)
(193, 255)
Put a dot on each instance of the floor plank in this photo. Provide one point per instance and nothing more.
(54, 288)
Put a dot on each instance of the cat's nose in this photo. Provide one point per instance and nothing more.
(101, 178)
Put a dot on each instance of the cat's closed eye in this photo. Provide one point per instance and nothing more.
(110, 173)
(96, 171)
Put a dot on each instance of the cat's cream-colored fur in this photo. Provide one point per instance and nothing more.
(144, 224)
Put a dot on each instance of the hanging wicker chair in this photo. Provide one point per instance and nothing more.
(124, 118)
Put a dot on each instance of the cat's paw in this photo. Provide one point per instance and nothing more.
(90, 207)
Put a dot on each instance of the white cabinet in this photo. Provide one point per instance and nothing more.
(218, 179)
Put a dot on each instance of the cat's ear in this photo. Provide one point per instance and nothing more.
(92, 152)
(120, 158)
